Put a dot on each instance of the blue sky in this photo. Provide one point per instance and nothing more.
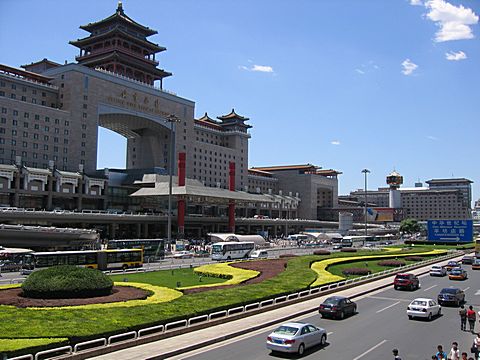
(344, 84)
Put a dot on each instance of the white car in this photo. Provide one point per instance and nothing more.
(424, 308)
(183, 255)
(295, 337)
(437, 270)
(259, 254)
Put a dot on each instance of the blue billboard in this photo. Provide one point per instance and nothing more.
(450, 230)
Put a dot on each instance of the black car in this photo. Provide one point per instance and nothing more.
(451, 296)
(468, 260)
(337, 307)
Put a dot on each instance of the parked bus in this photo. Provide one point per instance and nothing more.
(152, 248)
(94, 259)
(232, 250)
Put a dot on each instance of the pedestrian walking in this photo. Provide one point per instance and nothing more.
(441, 355)
(463, 318)
(471, 317)
(464, 356)
(454, 353)
(395, 355)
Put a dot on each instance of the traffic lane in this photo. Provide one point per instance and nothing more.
(381, 324)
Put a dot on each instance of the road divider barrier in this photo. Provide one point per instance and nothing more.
(176, 325)
(131, 335)
(90, 344)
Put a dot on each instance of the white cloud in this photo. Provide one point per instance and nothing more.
(455, 56)
(360, 71)
(431, 137)
(408, 67)
(262, 68)
(416, 2)
(454, 21)
(335, 142)
(257, 68)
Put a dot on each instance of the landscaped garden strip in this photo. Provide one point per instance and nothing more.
(325, 277)
(234, 275)
(85, 324)
(169, 278)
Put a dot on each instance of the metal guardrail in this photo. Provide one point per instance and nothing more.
(232, 312)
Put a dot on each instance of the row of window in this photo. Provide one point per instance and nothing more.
(24, 88)
(26, 115)
(24, 99)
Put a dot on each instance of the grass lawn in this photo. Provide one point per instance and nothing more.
(370, 264)
(169, 278)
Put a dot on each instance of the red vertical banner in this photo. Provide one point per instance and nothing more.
(231, 205)
(181, 168)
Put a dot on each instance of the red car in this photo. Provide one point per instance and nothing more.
(406, 281)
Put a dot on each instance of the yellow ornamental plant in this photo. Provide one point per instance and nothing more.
(324, 277)
(234, 275)
(159, 295)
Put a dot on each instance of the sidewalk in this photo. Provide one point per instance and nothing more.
(193, 340)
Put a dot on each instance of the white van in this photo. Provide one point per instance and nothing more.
(259, 254)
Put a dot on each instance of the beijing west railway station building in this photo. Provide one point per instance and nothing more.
(50, 114)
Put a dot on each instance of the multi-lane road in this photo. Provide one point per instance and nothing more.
(380, 325)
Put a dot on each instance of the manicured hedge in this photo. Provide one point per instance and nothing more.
(357, 271)
(66, 282)
(414, 258)
(321, 252)
(392, 263)
(287, 256)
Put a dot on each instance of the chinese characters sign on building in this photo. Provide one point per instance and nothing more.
(450, 230)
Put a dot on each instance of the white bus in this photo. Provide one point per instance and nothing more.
(232, 250)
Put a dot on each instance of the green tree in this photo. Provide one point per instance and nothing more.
(410, 226)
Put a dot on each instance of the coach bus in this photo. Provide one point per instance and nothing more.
(232, 250)
(94, 259)
(153, 249)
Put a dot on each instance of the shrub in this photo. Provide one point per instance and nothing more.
(348, 250)
(391, 263)
(414, 258)
(66, 282)
(287, 256)
(321, 252)
(356, 271)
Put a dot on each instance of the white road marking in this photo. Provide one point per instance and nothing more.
(388, 307)
(431, 287)
(388, 298)
(330, 333)
(370, 350)
(478, 292)
(468, 287)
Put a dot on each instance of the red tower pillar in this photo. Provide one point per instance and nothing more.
(231, 204)
(181, 200)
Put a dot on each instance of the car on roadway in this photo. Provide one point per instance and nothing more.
(451, 296)
(337, 307)
(296, 337)
(458, 274)
(406, 281)
(451, 265)
(476, 264)
(423, 308)
(386, 242)
(183, 255)
(201, 253)
(259, 254)
(468, 260)
(437, 270)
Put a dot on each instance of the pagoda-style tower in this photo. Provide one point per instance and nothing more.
(119, 44)
(233, 121)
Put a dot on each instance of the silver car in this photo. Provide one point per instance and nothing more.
(295, 337)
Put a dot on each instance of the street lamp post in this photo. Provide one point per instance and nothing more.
(365, 172)
(172, 119)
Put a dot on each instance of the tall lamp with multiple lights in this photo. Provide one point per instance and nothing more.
(365, 172)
